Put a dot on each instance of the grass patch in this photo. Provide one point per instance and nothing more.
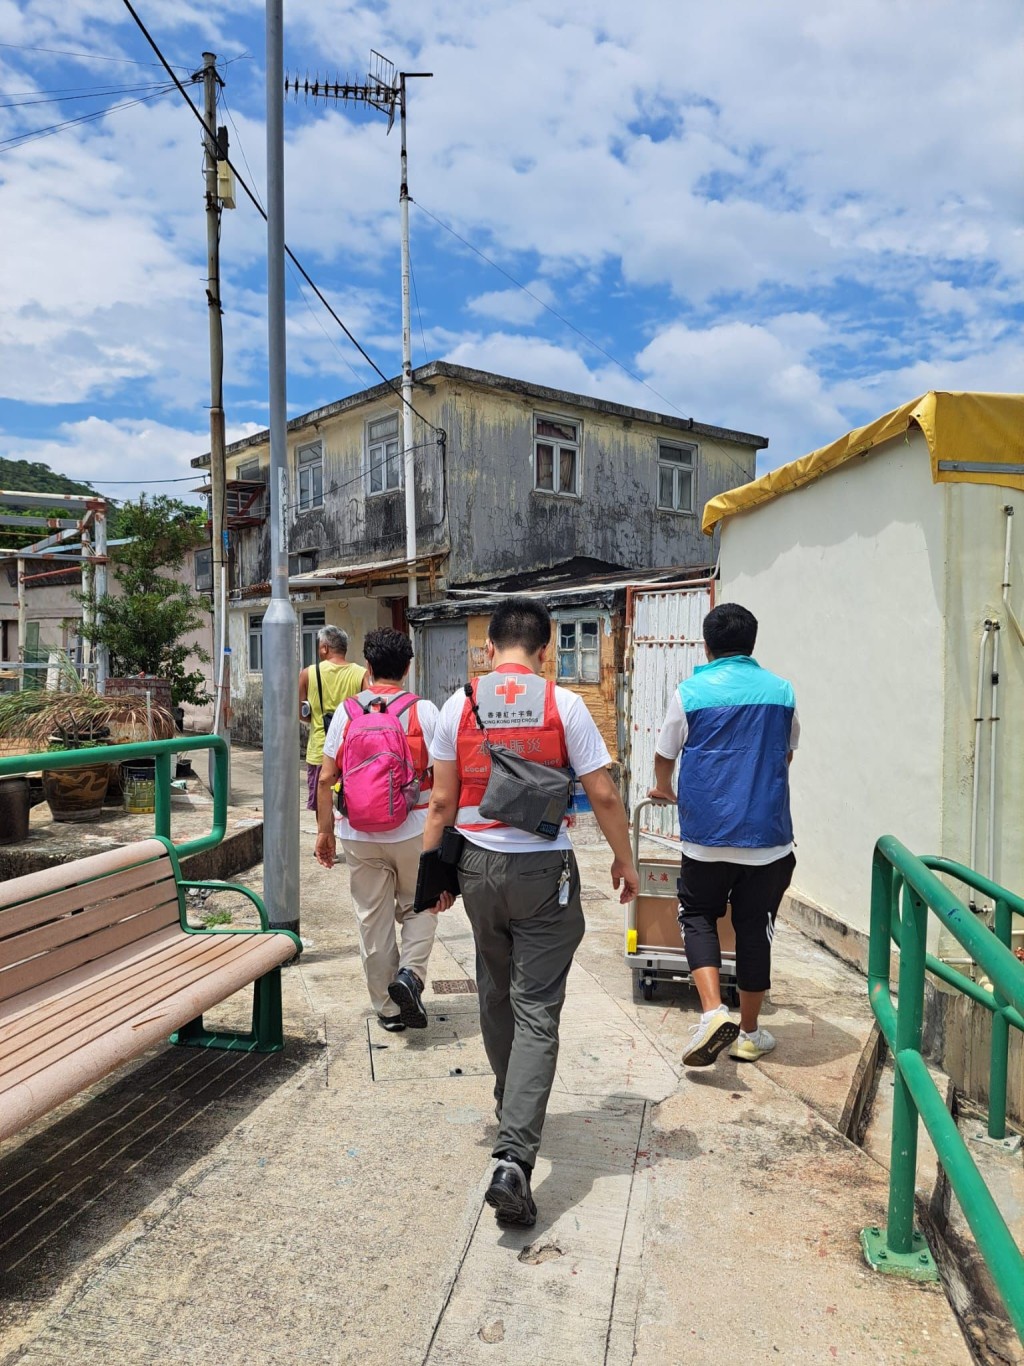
(212, 918)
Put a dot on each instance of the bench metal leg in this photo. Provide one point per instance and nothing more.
(267, 1034)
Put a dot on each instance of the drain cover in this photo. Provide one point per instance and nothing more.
(454, 986)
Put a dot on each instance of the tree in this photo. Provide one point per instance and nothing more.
(144, 626)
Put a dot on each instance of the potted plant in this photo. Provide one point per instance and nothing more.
(76, 794)
(74, 716)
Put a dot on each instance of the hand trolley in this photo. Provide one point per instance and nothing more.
(654, 940)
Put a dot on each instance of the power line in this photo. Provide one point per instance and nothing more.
(212, 133)
(416, 296)
(86, 56)
(20, 139)
(291, 269)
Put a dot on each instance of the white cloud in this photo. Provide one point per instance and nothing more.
(513, 306)
(98, 451)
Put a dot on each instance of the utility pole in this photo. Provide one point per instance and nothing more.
(386, 92)
(218, 473)
(280, 627)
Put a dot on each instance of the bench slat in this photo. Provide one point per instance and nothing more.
(58, 961)
(33, 886)
(140, 1002)
(30, 1099)
(96, 981)
(79, 928)
(16, 919)
(186, 953)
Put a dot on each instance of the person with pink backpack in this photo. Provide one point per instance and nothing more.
(376, 759)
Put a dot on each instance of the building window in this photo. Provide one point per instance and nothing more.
(252, 472)
(383, 455)
(556, 455)
(311, 476)
(676, 469)
(256, 643)
(579, 651)
(204, 570)
(303, 561)
(311, 624)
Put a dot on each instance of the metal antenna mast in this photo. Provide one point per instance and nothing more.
(384, 89)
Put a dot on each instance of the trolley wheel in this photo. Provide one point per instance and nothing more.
(647, 987)
(731, 997)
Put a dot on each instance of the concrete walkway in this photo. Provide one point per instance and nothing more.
(325, 1205)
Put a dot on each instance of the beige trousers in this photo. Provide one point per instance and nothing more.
(383, 886)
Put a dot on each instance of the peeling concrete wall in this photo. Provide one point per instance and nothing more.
(500, 524)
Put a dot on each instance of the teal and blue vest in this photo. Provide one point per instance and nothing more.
(734, 775)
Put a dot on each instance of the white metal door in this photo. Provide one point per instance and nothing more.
(665, 646)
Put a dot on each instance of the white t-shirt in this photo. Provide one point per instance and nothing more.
(587, 753)
(414, 823)
(671, 743)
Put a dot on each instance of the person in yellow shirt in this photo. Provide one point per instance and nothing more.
(322, 690)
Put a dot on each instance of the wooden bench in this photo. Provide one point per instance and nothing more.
(98, 963)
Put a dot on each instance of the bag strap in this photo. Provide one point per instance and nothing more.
(320, 690)
(468, 689)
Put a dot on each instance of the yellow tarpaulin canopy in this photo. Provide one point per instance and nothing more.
(972, 438)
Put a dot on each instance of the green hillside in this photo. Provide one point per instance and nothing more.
(31, 476)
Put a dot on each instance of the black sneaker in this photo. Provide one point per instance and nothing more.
(509, 1194)
(394, 1024)
(405, 992)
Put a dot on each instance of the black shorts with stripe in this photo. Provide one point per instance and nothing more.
(755, 893)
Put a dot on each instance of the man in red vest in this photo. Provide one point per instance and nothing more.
(522, 893)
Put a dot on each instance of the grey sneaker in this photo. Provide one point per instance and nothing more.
(709, 1038)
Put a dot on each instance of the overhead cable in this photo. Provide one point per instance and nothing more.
(254, 200)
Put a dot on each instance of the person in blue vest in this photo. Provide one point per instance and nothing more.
(736, 727)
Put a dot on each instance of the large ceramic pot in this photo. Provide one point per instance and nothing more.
(76, 794)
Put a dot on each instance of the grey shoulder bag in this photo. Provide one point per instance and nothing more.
(527, 796)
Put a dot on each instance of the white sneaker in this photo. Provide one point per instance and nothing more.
(750, 1047)
(709, 1037)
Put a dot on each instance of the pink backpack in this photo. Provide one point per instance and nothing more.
(379, 783)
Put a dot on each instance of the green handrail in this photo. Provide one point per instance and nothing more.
(1005, 906)
(899, 876)
(158, 750)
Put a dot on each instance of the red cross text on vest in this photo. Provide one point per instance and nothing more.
(510, 690)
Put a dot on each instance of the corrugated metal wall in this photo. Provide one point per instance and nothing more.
(442, 649)
(665, 646)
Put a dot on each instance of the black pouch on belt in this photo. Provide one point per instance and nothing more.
(522, 794)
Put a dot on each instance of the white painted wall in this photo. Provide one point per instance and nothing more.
(847, 578)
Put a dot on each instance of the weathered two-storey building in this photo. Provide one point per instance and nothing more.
(512, 479)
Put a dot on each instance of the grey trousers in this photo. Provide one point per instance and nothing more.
(525, 944)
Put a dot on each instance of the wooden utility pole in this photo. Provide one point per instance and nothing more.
(218, 474)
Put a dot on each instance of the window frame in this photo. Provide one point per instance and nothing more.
(309, 630)
(309, 468)
(577, 620)
(677, 467)
(203, 583)
(557, 446)
(383, 443)
(261, 471)
(254, 636)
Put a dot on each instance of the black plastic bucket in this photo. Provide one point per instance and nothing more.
(14, 808)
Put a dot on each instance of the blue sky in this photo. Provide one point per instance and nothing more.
(783, 218)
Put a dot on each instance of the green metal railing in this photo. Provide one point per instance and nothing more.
(899, 879)
(158, 750)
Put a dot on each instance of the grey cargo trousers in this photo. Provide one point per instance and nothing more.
(525, 943)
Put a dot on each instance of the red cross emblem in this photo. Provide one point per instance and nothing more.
(510, 690)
